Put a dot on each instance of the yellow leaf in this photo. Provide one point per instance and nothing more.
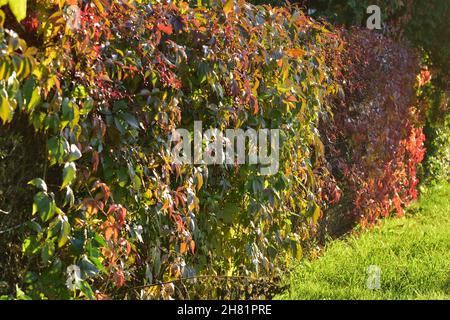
(228, 6)
(298, 251)
(316, 214)
(5, 69)
(255, 87)
(5, 109)
(99, 5)
(2, 15)
(199, 181)
(18, 8)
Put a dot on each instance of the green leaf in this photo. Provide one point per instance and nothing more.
(130, 119)
(87, 268)
(87, 107)
(70, 112)
(314, 212)
(33, 225)
(64, 231)
(39, 183)
(93, 253)
(69, 197)
(69, 173)
(100, 241)
(47, 251)
(228, 211)
(30, 246)
(75, 153)
(20, 295)
(87, 290)
(28, 87)
(18, 8)
(156, 261)
(45, 205)
(34, 99)
(56, 149)
(80, 92)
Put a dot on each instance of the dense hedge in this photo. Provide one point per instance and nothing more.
(106, 98)
(112, 214)
(375, 139)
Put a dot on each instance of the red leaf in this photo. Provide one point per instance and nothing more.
(119, 279)
(95, 161)
(121, 216)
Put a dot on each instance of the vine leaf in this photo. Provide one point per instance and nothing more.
(69, 173)
(39, 183)
(18, 8)
(5, 109)
(45, 205)
(228, 7)
(64, 232)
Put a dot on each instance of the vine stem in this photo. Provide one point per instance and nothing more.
(46, 157)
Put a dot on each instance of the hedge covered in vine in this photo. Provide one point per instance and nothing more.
(93, 205)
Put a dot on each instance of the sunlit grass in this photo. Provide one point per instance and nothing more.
(413, 253)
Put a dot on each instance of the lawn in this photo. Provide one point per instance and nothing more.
(412, 254)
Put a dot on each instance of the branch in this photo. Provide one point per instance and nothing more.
(200, 277)
(16, 227)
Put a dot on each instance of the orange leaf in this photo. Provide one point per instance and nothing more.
(254, 104)
(167, 29)
(108, 233)
(183, 247)
(295, 53)
(291, 98)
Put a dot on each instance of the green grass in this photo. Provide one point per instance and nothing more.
(413, 253)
